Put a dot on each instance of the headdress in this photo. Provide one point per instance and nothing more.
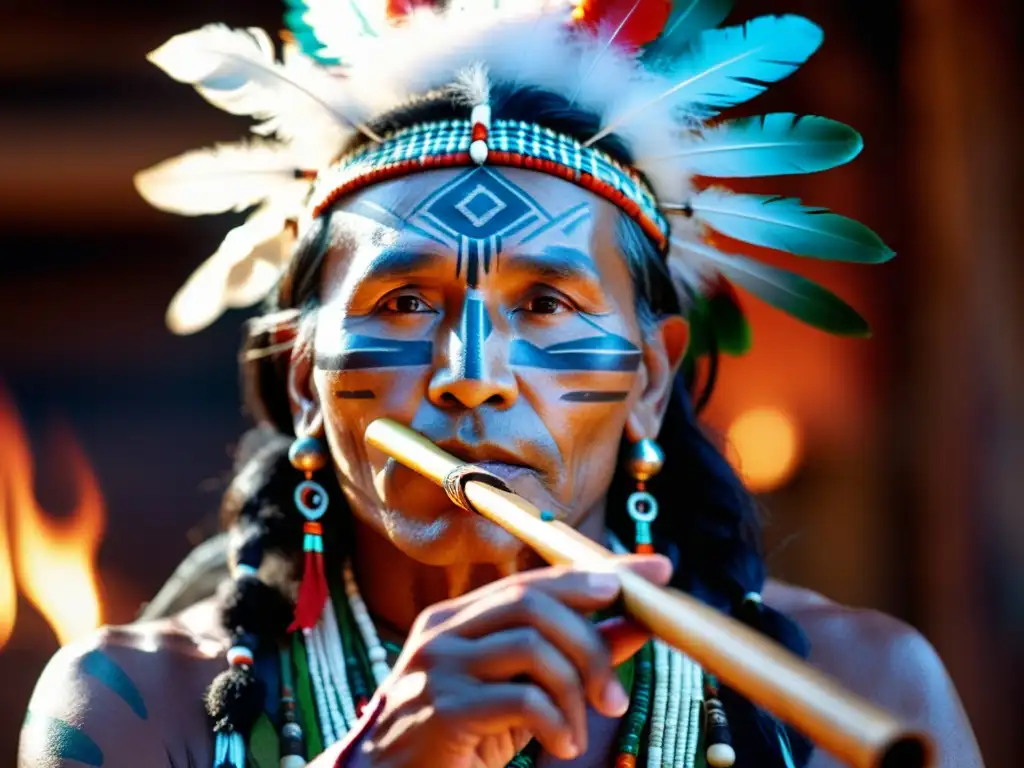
(656, 74)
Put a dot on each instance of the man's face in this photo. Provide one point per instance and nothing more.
(492, 311)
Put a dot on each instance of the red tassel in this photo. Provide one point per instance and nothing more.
(313, 593)
(645, 22)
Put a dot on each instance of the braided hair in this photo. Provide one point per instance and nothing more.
(712, 536)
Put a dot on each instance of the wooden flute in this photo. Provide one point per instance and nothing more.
(766, 673)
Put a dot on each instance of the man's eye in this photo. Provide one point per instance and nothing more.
(406, 304)
(545, 305)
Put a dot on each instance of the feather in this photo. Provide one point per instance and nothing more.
(472, 86)
(770, 145)
(726, 67)
(787, 225)
(789, 292)
(618, 32)
(303, 35)
(635, 22)
(228, 177)
(687, 19)
(727, 320)
(236, 71)
(335, 31)
(206, 293)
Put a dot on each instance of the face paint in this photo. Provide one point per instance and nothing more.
(515, 278)
(595, 353)
(361, 352)
(354, 394)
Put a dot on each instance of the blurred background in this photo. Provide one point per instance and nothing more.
(891, 470)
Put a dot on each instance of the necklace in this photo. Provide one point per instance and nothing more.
(346, 661)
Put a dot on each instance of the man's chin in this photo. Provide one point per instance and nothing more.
(451, 536)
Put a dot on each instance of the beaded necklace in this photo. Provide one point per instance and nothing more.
(346, 661)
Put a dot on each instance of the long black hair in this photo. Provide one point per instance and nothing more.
(708, 526)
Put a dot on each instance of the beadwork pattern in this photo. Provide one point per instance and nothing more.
(511, 143)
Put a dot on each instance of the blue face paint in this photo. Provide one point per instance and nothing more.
(595, 353)
(368, 352)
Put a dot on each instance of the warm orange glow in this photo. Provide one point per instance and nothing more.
(764, 446)
(8, 595)
(54, 559)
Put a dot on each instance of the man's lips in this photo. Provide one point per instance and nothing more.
(494, 458)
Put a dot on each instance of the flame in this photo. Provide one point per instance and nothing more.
(54, 559)
(8, 595)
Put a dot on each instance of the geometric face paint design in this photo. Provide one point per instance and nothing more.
(595, 353)
(472, 213)
(361, 352)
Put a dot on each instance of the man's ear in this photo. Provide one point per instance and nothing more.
(664, 349)
(307, 414)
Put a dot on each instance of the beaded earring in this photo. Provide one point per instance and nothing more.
(645, 461)
(307, 454)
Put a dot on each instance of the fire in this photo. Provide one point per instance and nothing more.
(54, 559)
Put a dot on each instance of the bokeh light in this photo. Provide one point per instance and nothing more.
(764, 446)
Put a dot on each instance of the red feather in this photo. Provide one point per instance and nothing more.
(398, 9)
(641, 20)
(313, 593)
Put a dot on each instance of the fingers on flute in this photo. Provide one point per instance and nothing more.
(551, 608)
(654, 568)
(623, 636)
(524, 651)
(493, 709)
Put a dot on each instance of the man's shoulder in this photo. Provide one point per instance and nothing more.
(860, 635)
(120, 681)
(885, 660)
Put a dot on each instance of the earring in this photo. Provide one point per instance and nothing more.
(645, 461)
(307, 454)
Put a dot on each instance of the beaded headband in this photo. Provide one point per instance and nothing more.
(655, 74)
(508, 143)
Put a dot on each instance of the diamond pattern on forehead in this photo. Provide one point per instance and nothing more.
(481, 204)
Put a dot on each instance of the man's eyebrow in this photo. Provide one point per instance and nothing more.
(555, 262)
(397, 263)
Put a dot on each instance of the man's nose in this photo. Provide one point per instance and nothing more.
(476, 371)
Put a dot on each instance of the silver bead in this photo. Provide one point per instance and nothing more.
(645, 460)
(307, 454)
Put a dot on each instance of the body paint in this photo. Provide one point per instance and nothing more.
(99, 666)
(63, 740)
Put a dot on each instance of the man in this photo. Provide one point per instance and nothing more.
(486, 256)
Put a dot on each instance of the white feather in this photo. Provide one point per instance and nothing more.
(472, 86)
(210, 290)
(228, 177)
(236, 71)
